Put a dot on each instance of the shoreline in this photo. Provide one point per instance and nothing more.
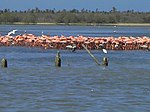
(80, 24)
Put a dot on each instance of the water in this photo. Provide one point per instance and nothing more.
(32, 83)
(89, 31)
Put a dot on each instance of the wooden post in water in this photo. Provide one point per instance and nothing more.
(91, 54)
(58, 60)
(4, 63)
(105, 61)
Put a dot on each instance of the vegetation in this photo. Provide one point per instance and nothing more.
(72, 16)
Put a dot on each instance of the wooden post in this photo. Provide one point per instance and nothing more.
(91, 54)
(105, 61)
(4, 63)
(58, 60)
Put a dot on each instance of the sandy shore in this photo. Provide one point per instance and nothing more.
(81, 24)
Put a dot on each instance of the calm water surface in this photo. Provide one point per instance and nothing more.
(93, 31)
(32, 83)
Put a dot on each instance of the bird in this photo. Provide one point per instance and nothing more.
(115, 31)
(116, 46)
(11, 32)
(73, 47)
(43, 34)
(102, 47)
(104, 51)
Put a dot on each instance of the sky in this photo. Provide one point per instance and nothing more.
(101, 5)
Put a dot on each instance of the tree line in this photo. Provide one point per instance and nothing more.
(73, 16)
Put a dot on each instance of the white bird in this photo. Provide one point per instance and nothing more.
(11, 32)
(71, 47)
(114, 31)
(116, 46)
(104, 51)
(42, 33)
